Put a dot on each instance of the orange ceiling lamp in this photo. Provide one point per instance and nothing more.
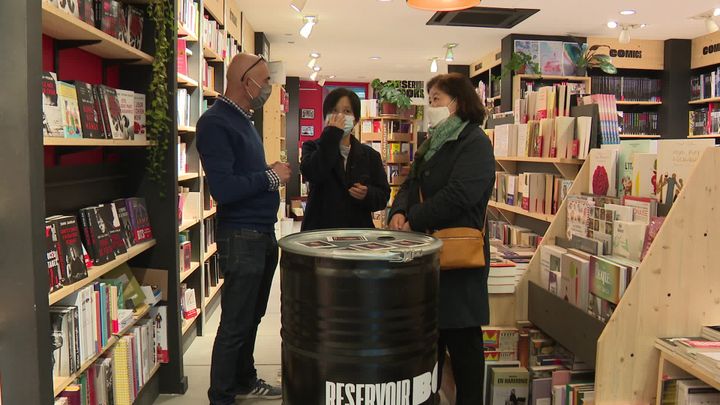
(442, 5)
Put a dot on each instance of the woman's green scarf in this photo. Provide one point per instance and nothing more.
(448, 130)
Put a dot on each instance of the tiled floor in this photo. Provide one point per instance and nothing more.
(267, 356)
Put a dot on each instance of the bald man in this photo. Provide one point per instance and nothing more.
(246, 190)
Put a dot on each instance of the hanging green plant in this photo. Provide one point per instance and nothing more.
(158, 118)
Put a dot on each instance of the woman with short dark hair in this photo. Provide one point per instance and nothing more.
(347, 179)
(449, 186)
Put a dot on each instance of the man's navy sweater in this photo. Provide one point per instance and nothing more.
(234, 161)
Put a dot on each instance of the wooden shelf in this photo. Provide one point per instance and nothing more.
(186, 129)
(211, 55)
(150, 376)
(185, 274)
(185, 34)
(639, 136)
(186, 81)
(688, 366)
(639, 103)
(400, 137)
(207, 92)
(371, 137)
(210, 252)
(187, 323)
(63, 26)
(399, 161)
(387, 118)
(493, 99)
(520, 211)
(711, 136)
(706, 100)
(60, 383)
(540, 160)
(208, 213)
(214, 291)
(53, 141)
(96, 272)
(188, 176)
(188, 224)
(553, 77)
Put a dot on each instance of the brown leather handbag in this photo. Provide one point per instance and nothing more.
(463, 248)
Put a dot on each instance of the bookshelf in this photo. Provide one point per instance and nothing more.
(640, 136)
(51, 141)
(518, 79)
(705, 101)
(186, 129)
(673, 293)
(186, 81)
(638, 103)
(710, 136)
(675, 366)
(704, 96)
(63, 26)
(188, 176)
(185, 274)
(517, 210)
(484, 71)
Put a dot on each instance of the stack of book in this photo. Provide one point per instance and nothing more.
(628, 88)
(121, 21)
(189, 15)
(533, 192)
(214, 37)
(645, 123)
(705, 121)
(706, 85)
(81, 110)
(561, 137)
(608, 116)
(540, 101)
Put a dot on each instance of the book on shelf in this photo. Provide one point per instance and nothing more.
(112, 112)
(126, 99)
(52, 116)
(96, 232)
(111, 220)
(644, 175)
(603, 171)
(55, 276)
(140, 118)
(107, 16)
(121, 24)
(69, 110)
(509, 385)
(645, 123)
(132, 294)
(139, 219)
(90, 118)
(628, 88)
(62, 338)
(69, 247)
(705, 120)
(607, 106)
(182, 57)
(625, 158)
(135, 25)
(159, 316)
(705, 85)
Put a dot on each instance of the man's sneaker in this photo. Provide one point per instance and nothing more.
(262, 390)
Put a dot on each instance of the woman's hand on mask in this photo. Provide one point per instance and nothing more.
(337, 121)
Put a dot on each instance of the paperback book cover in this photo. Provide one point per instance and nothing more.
(70, 250)
(509, 385)
(139, 219)
(644, 208)
(140, 129)
(53, 261)
(127, 113)
(99, 231)
(71, 7)
(133, 296)
(69, 110)
(87, 11)
(106, 16)
(603, 172)
(122, 23)
(113, 114)
(607, 279)
(628, 238)
(650, 233)
(125, 224)
(625, 159)
(61, 338)
(578, 215)
(135, 26)
(52, 117)
(111, 218)
(676, 160)
(101, 109)
(89, 116)
(159, 316)
(574, 276)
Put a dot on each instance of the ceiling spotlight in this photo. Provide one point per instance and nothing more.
(624, 36)
(643, 25)
(711, 25)
(612, 24)
(442, 5)
(306, 30)
(298, 5)
(317, 68)
(434, 65)
(312, 63)
(331, 77)
(314, 55)
(450, 55)
(313, 76)
(716, 12)
(375, 58)
(627, 12)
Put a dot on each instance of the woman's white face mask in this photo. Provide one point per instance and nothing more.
(437, 115)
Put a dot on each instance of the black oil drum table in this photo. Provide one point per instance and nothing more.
(359, 318)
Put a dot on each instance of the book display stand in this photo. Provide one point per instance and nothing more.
(675, 292)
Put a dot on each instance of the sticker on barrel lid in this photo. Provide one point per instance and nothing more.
(318, 244)
(373, 246)
(353, 238)
(407, 243)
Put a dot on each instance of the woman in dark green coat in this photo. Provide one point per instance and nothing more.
(455, 171)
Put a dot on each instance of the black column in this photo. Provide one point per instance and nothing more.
(292, 135)
(675, 89)
(24, 322)
(462, 69)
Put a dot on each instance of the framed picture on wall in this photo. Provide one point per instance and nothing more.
(307, 113)
(307, 130)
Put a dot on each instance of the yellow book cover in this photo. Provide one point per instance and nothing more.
(122, 385)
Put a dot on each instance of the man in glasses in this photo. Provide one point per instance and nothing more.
(246, 190)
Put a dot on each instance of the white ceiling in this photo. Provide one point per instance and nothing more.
(349, 32)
